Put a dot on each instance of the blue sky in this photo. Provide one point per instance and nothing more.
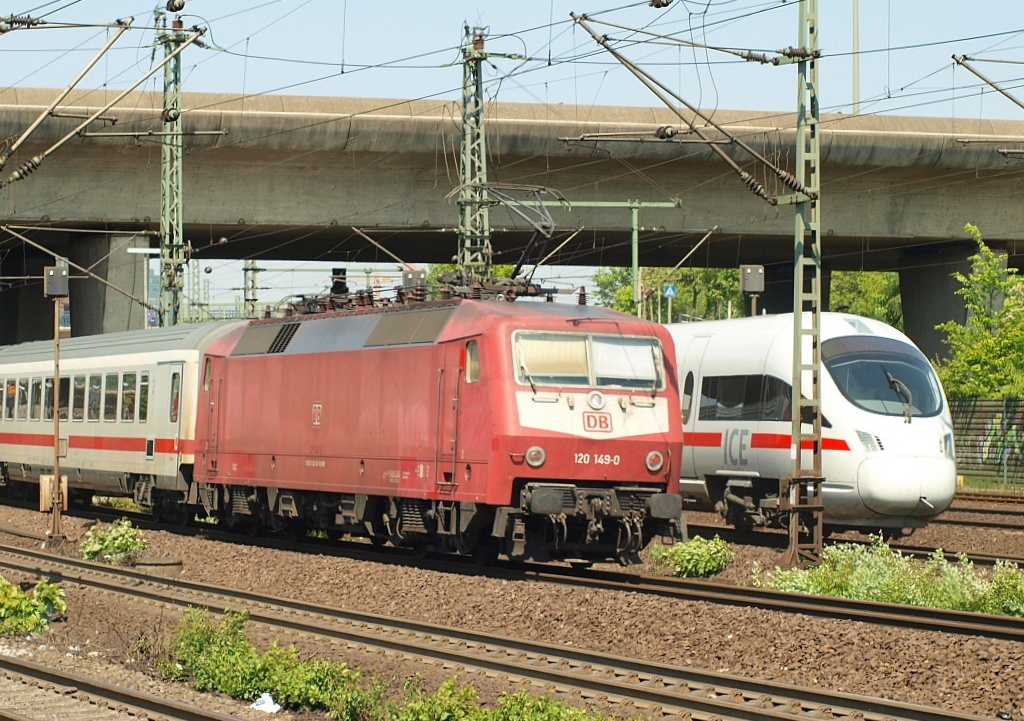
(409, 49)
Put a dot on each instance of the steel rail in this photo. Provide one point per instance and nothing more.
(656, 688)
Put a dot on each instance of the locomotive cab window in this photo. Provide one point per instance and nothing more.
(686, 401)
(572, 359)
(883, 376)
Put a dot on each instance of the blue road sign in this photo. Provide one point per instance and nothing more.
(669, 291)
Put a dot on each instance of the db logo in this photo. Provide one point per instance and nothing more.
(599, 422)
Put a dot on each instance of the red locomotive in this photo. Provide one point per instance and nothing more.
(534, 430)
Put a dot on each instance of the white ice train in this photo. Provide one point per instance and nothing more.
(887, 437)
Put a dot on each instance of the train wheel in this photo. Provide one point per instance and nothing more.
(185, 516)
(486, 552)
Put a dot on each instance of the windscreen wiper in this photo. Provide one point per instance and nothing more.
(902, 392)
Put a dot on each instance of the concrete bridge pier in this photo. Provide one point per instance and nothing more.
(25, 314)
(96, 307)
(928, 292)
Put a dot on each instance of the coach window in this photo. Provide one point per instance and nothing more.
(110, 397)
(22, 399)
(207, 374)
(47, 399)
(128, 383)
(687, 398)
(36, 402)
(175, 396)
(472, 362)
(95, 397)
(143, 396)
(10, 396)
(78, 401)
(64, 398)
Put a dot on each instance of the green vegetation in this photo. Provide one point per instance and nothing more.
(120, 543)
(696, 558)
(877, 573)
(118, 503)
(218, 657)
(985, 353)
(700, 292)
(870, 294)
(29, 611)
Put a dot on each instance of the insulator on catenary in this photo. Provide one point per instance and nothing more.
(175, 6)
(170, 115)
(790, 181)
(581, 299)
(26, 168)
(660, 3)
(665, 132)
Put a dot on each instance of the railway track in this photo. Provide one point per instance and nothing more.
(639, 687)
(30, 692)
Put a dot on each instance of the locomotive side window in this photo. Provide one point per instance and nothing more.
(95, 397)
(128, 382)
(110, 397)
(143, 396)
(588, 360)
(78, 402)
(35, 404)
(207, 374)
(22, 399)
(472, 362)
(175, 396)
(747, 398)
(47, 399)
(10, 398)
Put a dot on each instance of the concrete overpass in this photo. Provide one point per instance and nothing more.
(294, 175)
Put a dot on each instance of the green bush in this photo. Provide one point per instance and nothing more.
(877, 573)
(696, 558)
(29, 612)
(120, 544)
(218, 657)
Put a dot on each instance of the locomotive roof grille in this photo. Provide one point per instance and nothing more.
(283, 338)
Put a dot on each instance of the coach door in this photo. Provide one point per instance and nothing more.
(211, 391)
(176, 374)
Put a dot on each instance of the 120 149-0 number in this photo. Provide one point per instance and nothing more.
(598, 459)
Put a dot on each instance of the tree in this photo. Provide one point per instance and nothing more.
(873, 295)
(986, 351)
(700, 292)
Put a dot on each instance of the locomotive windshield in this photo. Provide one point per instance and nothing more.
(578, 359)
(883, 376)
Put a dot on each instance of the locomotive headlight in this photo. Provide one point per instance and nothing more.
(595, 400)
(535, 456)
(655, 461)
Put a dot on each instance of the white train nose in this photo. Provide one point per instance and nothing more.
(907, 486)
